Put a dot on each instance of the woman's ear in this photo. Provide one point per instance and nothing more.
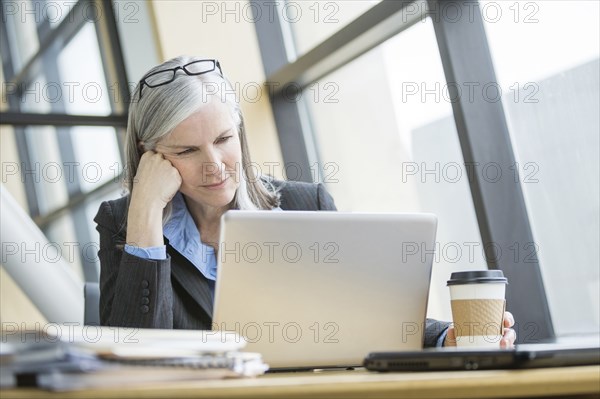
(141, 147)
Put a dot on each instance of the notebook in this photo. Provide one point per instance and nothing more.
(323, 289)
(67, 357)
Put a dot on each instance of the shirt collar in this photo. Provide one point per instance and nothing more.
(183, 235)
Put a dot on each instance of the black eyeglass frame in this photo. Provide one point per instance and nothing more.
(216, 65)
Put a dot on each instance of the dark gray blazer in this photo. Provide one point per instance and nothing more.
(172, 293)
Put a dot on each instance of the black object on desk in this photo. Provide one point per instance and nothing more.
(524, 356)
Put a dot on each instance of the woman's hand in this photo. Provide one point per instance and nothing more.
(155, 184)
(508, 338)
(156, 181)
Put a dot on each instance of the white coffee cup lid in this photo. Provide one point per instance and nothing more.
(477, 277)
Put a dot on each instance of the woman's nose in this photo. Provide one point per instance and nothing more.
(211, 164)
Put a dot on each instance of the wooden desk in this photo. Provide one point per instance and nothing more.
(361, 383)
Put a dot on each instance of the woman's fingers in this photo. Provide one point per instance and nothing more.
(508, 340)
(509, 320)
(156, 180)
(450, 337)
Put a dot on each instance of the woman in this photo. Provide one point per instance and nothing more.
(187, 163)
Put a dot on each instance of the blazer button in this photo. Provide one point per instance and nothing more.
(145, 301)
(145, 292)
(145, 283)
(144, 309)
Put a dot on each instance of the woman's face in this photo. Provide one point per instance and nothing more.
(205, 149)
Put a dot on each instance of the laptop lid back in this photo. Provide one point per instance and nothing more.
(320, 289)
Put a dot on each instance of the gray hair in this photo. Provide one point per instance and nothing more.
(161, 109)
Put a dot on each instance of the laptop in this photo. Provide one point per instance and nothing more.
(323, 289)
(523, 356)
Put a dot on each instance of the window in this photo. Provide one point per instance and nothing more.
(388, 142)
(63, 103)
(546, 58)
(392, 109)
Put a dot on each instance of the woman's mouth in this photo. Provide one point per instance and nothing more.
(216, 186)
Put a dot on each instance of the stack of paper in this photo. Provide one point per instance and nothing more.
(67, 357)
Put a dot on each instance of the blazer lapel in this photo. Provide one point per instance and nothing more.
(190, 278)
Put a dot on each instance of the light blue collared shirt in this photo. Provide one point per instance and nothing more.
(183, 235)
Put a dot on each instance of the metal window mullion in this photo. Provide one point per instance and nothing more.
(112, 57)
(381, 22)
(113, 62)
(484, 138)
(52, 119)
(286, 111)
(77, 201)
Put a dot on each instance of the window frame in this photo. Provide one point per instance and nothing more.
(500, 207)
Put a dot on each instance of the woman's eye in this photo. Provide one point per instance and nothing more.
(223, 139)
(185, 152)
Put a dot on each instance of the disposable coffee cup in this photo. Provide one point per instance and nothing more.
(478, 304)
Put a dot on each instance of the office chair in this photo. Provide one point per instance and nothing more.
(91, 295)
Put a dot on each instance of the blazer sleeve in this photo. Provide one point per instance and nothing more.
(325, 200)
(433, 330)
(302, 196)
(134, 292)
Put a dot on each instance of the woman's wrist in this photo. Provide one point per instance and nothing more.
(144, 226)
